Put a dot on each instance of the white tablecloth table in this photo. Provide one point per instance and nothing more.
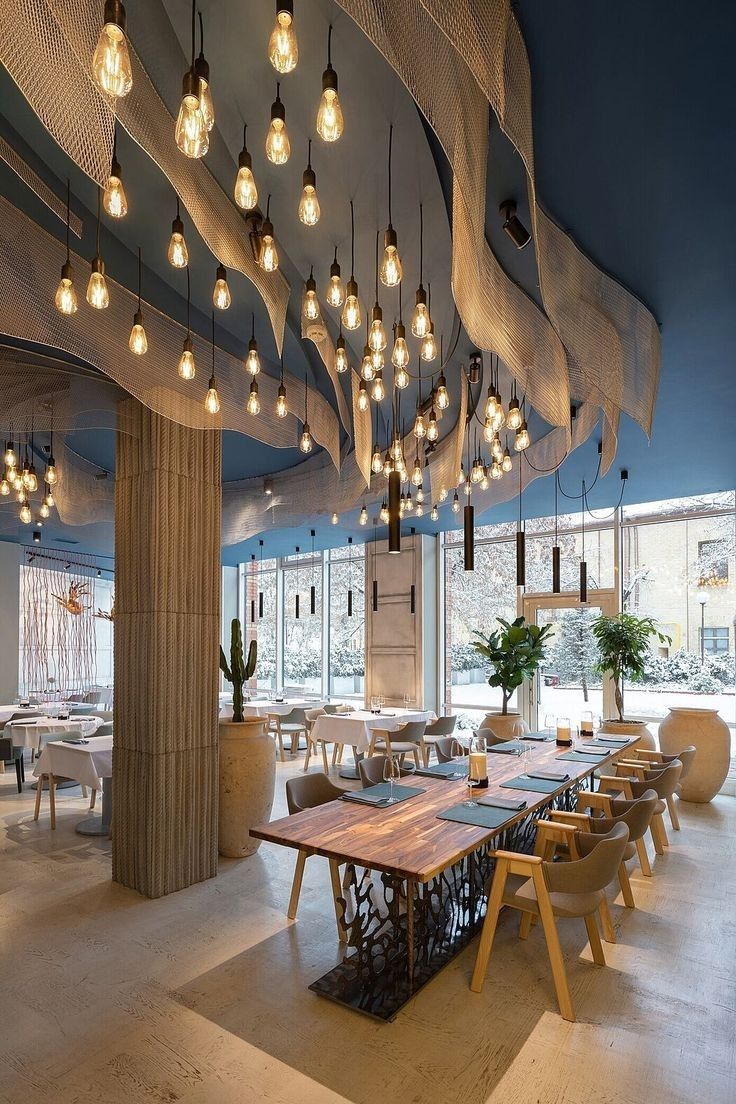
(90, 764)
(263, 708)
(355, 728)
(32, 733)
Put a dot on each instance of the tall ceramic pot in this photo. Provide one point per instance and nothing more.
(712, 740)
(247, 780)
(632, 728)
(501, 725)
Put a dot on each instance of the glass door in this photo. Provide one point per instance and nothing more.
(567, 685)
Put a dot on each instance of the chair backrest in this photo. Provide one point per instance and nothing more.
(298, 715)
(309, 791)
(104, 729)
(636, 815)
(447, 748)
(6, 749)
(663, 781)
(443, 726)
(312, 715)
(593, 872)
(25, 715)
(685, 756)
(81, 710)
(331, 707)
(410, 733)
(104, 714)
(371, 770)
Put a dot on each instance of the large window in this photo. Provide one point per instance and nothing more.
(346, 637)
(303, 624)
(260, 613)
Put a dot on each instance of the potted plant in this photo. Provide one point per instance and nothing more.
(247, 764)
(623, 645)
(514, 653)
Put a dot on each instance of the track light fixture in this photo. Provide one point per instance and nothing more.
(283, 49)
(513, 225)
(111, 68)
(330, 123)
(245, 192)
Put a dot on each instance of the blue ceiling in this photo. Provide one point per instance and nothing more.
(633, 112)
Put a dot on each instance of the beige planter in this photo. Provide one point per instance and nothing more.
(501, 725)
(631, 728)
(247, 779)
(709, 734)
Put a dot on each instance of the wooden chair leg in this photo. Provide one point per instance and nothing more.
(609, 932)
(340, 748)
(324, 758)
(416, 759)
(525, 924)
(595, 940)
(39, 789)
(280, 739)
(556, 961)
(626, 891)
(52, 801)
(19, 774)
(661, 829)
(337, 892)
(653, 828)
(674, 817)
(83, 789)
(334, 754)
(296, 885)
(92, 799)
(641, 850)
(308, 753)
(489, 926)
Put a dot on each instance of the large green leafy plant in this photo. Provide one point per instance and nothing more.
(514, 653)
(623, 643)
(239, 670)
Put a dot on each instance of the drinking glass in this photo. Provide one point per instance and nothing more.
(476, 746)
(586, 724)
(374, 704)
(517, 731)
(391, 774)
(550, 720)
(407, 701)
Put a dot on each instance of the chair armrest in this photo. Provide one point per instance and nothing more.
(617, 783)
(514, 862)
(517, 856)
(587, 799)
(645, 753)
(550, 833)
(574, 820)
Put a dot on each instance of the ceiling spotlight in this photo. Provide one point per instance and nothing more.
(36, 536)
(335, 519)
(268, 485)
(99, 573)
(513, 225)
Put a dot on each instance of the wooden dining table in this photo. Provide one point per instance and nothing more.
(414, 885)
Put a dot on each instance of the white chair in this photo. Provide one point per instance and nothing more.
(311, 716)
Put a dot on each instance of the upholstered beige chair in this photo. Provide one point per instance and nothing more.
(657, 759)
(550, 890)
(311, 716)
(403, 741)
(371, 771)
(293, 724)
(437, 730)
(447, 748)
(308, 792)
(635, 779)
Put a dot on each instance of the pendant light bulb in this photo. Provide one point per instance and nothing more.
(114, 199)
(30, 480)
(25, 512)
(309, 210)
(281, 408)
(377, 461)
(111, 68)
(335, 289)
(363, 402)
(4, 487)
(138, 342)
(432, 427)
(50, 501)
(65, 299)
(177, 253)
(391, 271)
(187, 367)
(496, 470)
(97, 294)
(377, 336)
(202, 71)
(283, 49)
(341, 356)
(305, 441)
(416, 475)
(43, 510)
(513, 418)
(384, 513)
(366, 367)
(221, 297)
(496, 448)
(363, 518)
(310, 303)
(268, 257)
(442, 397)
(245, 193)
(428, 348)
(330, 123)
(9, 457)
(212, 400)
(420, 322)
(278, 146)
(378, 391)
(400, 352)
(190, 133)
(521, 439)
(377, 362)
(253, 406)
(335, 519)
(455, 503)
(253, 361)
(351, 318)
(434, 514)
(507, 463)
(420, 429)
(401, 379)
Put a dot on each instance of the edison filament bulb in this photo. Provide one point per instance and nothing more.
(190, 132)
(111, 60)
(283, 49)
(65, 299)
(186, 367)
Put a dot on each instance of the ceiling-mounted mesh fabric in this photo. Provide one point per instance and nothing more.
(362, 432)
(30, 264)
(445, 463)
(59, 88)
(495, 311)
(32, 180)
(83, 494)
(54, 399)
(35, 51)
(612, 340)
(326, 350)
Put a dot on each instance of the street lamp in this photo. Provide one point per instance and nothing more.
(703, 599)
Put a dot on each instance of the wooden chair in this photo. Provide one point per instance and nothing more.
(601, 804)
(537, 887)
(371, 771)
(292, 724)
(308, 792)
(437, 730)
(403, 741)
(636, 782)
(311, 716)
(657, 759)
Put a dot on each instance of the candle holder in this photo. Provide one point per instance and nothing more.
(564, 732)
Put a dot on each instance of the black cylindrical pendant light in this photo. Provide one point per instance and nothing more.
(375, 595)
(252, 610)
(394, 517)
(583, 564)
(469, 537)
(350, 577)
(583, 581)
(312, 589)
(556, 569)
(413, 598)
(350, 602)
(296, 597)
(520, 560)
(260, 579)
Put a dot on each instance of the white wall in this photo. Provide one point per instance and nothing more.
(9, 619)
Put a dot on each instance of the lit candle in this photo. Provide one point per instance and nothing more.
(478, 766)
(586, 724)
(563, 730)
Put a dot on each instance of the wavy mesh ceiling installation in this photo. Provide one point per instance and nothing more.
(353, 401)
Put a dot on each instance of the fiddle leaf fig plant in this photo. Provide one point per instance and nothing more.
(623, 643)
(514, 653)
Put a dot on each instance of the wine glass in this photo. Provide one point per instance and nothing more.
(517, 731)
(391, 774)
(407, 701)
(550, 721)
(476, 748)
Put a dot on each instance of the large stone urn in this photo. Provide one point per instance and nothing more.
(501, 725)
(711, 738)
(247, 779)
(631, 728)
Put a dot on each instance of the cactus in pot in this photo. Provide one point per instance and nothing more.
(239, 670)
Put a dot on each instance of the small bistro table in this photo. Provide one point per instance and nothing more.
(356, 729)
(429, 898)
(90, 764)
(30, 733)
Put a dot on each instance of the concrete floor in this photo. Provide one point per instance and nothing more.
(202, 997)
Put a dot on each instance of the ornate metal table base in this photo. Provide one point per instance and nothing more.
(400, 934)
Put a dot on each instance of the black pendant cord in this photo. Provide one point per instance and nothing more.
(68, 205)
(607, 516)
(378, 235)
(139, 278)
(260, 580)
(390, 145)
(329, 46)
(421, 243)
(352, 242)
(194, 30)
(97, 233)
(201, 35)
(555, 511)
(189, 294)
(577, 498)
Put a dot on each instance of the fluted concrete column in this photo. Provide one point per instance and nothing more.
(167, 604)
